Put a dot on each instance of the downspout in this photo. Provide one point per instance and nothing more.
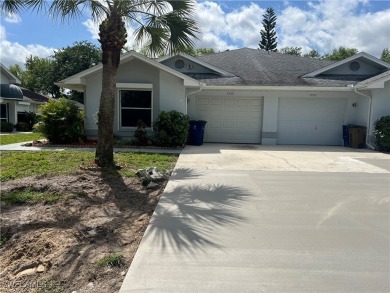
(369, 116)
(194, 92)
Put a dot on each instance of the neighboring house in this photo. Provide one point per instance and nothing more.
(14, 100)
(245, 95)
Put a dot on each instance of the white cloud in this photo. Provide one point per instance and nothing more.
(92, 27)
(329, 24)
(323, 25)
(218, 29)
(12, 18)
(15, 53)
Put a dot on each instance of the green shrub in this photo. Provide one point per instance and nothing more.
(23, 126)
(31, 118)
(140, 135)
(112, 260)
(382, 133)
(61, 122)
(6, 127)
(171, 128)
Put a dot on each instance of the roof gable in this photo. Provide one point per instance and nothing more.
(361, 64)
(78, 80)
(190, 65)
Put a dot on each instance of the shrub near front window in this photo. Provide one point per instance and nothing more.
(61, 122)
(171, 128)
(6, 127)
(382, 133)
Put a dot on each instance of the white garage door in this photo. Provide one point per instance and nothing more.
(231, 119)
(311, 121)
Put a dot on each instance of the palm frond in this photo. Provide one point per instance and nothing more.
(154, 37)
(170, 26)
(12, 6)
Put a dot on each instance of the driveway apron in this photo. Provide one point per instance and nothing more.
(246, 218)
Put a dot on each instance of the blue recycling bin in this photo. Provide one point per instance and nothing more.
(196, 132)
(346, 135)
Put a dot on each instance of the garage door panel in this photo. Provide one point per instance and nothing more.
(310, 121)
(234, 120)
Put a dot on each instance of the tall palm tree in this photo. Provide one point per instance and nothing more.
(163, 25)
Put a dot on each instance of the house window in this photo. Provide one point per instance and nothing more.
(135, 105)
(4, 113)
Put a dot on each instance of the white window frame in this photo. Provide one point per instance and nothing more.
(133, 87)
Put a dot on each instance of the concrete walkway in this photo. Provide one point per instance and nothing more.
(269, 219)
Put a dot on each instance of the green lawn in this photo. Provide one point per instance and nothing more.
(19, 137)
(19, 164)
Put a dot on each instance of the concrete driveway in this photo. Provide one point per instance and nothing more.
(244, 218)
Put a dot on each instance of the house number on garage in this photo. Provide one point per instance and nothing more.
(230, 93)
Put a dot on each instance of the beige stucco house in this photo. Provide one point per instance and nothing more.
(246, 95)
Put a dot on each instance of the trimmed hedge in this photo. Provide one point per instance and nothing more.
(171, 129)
(382, 133)
(6, 127)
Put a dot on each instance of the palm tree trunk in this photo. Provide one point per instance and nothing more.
(112, 38)
(104, 149)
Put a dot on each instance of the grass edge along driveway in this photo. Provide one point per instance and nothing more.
(19, 164)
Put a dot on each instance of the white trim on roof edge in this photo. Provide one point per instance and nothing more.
(276, 88)
(200, 62)
(349, 59)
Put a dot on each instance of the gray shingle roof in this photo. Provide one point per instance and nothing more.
(34, 96)
(260, 68)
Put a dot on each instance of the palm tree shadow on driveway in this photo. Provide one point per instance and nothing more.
(188, 214)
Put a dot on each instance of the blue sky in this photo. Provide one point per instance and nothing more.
(321, 25)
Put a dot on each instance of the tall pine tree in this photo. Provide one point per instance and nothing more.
(268, 33)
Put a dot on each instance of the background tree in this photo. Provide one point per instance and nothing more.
(166, 25)
(41, 73)
(204, 51)
(40, 76)
(313, 54)
(16, 70)
(340, 54)
(385, 55)
(74, 59)
(296, 51)
(268, 33)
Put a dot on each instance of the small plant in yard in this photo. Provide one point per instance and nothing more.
(6, 127)
(140, 135)
(111, 260)
(382, 133)
(171, 128)
(61, 122)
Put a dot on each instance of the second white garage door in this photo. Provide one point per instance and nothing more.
(231, 119)
(311, 121)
